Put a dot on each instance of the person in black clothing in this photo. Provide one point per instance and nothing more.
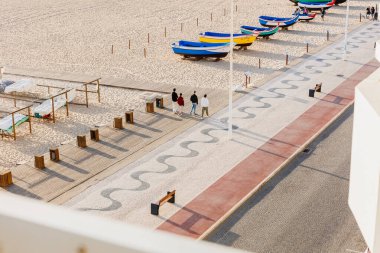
(368, 13)
(174, 100)
(372, 12)
(323, 12)
(194, 101)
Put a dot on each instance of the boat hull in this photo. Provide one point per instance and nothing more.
(307, 17)
(281, 22)
(266, 33)
(242, 41)
(200, 50)
(316, 6)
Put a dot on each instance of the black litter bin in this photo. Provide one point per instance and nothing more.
(311, 93)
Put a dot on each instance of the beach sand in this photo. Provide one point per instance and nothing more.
(77, 36)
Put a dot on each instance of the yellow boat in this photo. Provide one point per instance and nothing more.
(240, 39)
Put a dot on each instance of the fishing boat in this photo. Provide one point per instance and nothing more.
(316, 6)
(240, 39)
(201, 50)
(304, 15)
(263, 32)
(269, 21)
(337, 2)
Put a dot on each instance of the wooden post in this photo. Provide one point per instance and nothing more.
(224, 11)
(98, 89)
(118, 122)
(29, 120)
(236, 8)
(259, 63)
(197, 22)
(328, 35)
(129, 117)
(181, 27)
(129, 44)
(165, 31)
(52, 107)
(149, 107)
(67, 104)
(112, 49)
(94, 134)
(148, 39)
(13, 126)
(86, 91)
(144, 52)
(307, 47)
(211, 17)
(54, 154)
(287, 59)
(39, 162)
(360, 17)
(5, 178)
(81, 141)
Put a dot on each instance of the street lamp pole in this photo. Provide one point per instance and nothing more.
(346, 30)
(231, 72)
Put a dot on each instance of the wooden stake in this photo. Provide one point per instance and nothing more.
(287, 59)
(224, 11)
(144, 52)
(129, 44)
(211, 17)
(259, 63)
(165, 31)
(328, 35)
(197, 22)
(181, 27)
(148, 38)
(112, 49)
(360, 17)
(307, 47)
(236, 8)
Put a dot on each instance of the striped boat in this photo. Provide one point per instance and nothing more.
(264, 32)
(275, 21)
(240, 39)
(201, 50)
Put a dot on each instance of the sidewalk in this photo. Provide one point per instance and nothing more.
(211, 174)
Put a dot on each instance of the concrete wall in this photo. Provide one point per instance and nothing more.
(35, 227)
(365, 161)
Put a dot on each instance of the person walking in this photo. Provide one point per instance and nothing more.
(204, 104)
(372, 12)
(368, 12)
(174, 100)
(181, 104)
(323, 12)
(194, 102)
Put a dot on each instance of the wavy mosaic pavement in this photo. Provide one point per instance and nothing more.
(264, 102)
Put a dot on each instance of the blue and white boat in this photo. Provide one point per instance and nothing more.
(316, 6)
(200, 49)
(264, 32)
(269, 21)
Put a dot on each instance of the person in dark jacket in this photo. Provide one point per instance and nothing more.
(323, 13)
(194, 101)
(372, 12)
(181, 104)
(174, 100)
(368, 12)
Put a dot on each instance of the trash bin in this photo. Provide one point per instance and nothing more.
(311, 93)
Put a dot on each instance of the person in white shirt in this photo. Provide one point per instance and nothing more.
(204, 105)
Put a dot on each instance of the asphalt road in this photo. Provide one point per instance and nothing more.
(303, 208)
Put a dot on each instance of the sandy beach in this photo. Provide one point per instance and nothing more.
(77, 37)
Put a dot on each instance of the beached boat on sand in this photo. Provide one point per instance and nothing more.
(201, 50)
(316, 6)
(264, 32)
(240, 39)
(269, 21)
(337, 2)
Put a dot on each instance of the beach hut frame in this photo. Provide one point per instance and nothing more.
(13, 135)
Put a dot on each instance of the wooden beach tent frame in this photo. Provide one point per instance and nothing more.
(95, 82)
(13, 135)
(85, 89)
(52, 103)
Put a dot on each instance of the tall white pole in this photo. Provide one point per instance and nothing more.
(231, 72)
(346, 30)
